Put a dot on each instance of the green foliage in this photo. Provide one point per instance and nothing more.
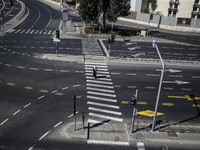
(146, 10)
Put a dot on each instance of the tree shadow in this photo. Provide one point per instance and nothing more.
(100, 123)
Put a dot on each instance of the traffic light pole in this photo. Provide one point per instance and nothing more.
(74, 97)
(159, 89)
(134, 111)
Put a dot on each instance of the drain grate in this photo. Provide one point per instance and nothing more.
(172, 134)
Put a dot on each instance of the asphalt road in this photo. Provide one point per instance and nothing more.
(37, 94)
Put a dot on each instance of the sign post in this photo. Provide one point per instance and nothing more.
(56, 40)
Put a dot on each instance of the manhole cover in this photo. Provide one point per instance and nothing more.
(172, 134)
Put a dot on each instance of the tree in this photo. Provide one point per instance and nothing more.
(111, 9)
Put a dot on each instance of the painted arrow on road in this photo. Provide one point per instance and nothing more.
(170, 70)
(186, 97)
(177, 82)
(133, 48)
(139, 54)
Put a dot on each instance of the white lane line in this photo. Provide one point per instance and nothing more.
(48, 69)
(105, 117)
(176, 76)
(193, 49)
(34, 68)
(101, 82)
(8, 65)
(131, 74)
(20, 67)
(153, 75)
(114, 73)
(96, 122)
(4, 121)
(107, 142)
(196, 77)
(102, 99)
(105, 111)
(103, 105)
(79, 71)
(76, 85)
(41, 97)
(100, 69)
(101, 90)
(44, 135)
(64, 70)
(57, 124)
(65, 88)
(140, 146)
(104, 79)
(16, 112)
(54, 91)
(98, 85)
(27, 105)
(102, 94)
(93, 63)
(72, 114)
(96, 66)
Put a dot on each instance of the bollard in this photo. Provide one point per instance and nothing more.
(88, 130)
(83, 117)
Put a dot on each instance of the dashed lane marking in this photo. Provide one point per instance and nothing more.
(28, 88)
(125, 102)
(44, 91)
(107, 142)
(134, 87)
(59, 94)
(16, 112)
(148, 87)
(167, 104)
(58, 124)
(76, 85)
(198, 105)
(117, 86)
(142, 103)
(4, 121)
(27, 105)
(185, 89)
(168, 88)
(11, 84)
(44, 135)
(41, 97)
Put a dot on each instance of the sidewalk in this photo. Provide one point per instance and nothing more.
(119, 134)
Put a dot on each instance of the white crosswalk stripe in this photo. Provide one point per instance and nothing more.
(101, 89)
(29, 31)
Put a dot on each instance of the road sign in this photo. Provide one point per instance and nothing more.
(154, 42)
(57, 47)
(56, 40)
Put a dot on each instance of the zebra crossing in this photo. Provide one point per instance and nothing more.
(101, 98)
(21, 31)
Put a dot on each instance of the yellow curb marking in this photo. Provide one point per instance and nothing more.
(12, 84)
(142, 103)
(198, 105)
(28, 88)
(186, 97)
(184, 89)
(167, 104)
(125, 102)
(148, 87)
(168, 88)
(134, 87)
(117, 86)
(149, 113)
(44, 91)
(78, 96)
(60, 94)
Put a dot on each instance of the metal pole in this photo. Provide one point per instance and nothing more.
(109, 52)
(56, 50)
(134, 108)
(159, 89)
(83, 117)
(88, 130)
(74, 97)
(148, 25)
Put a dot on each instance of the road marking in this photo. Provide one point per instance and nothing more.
(167, 104)
(176, 76)
(193, 49)
(117, 86)
(101, 82)
(102, 75)
(140, 146)
(20, 67)
(185, 89)
(34, 68)
(8, 65)
(105, 111)
(168, 88)
(196, 77)
(65, 88)
(76, 85)
(153, 75)
(59, 94)
(93, 63)
(28, 88)
(57, 124)
(186, 96)
(27, 105)
(193, 105)
(72, 114)
(103, 105)
(41, 97)
(11, 84)
(99, 72)
(4, 121)
(64, 70)
(100, 69)
(101, 90)
(131, 74)
(107, 142)
(44, 135)
(96, 66)
(142, 103)
(105, 117)
(102, 99)
(132, 87)
(125, 102)
(48, 69)
(115, 73)
(96, 122)
(104, 79)
(148, 87)
(54, 91)
(149, 113)
(44, 91)
(16, 112)
(79, 71)
(97, 85)
(102, 94)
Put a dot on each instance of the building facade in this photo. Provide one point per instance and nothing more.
(170, 8)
